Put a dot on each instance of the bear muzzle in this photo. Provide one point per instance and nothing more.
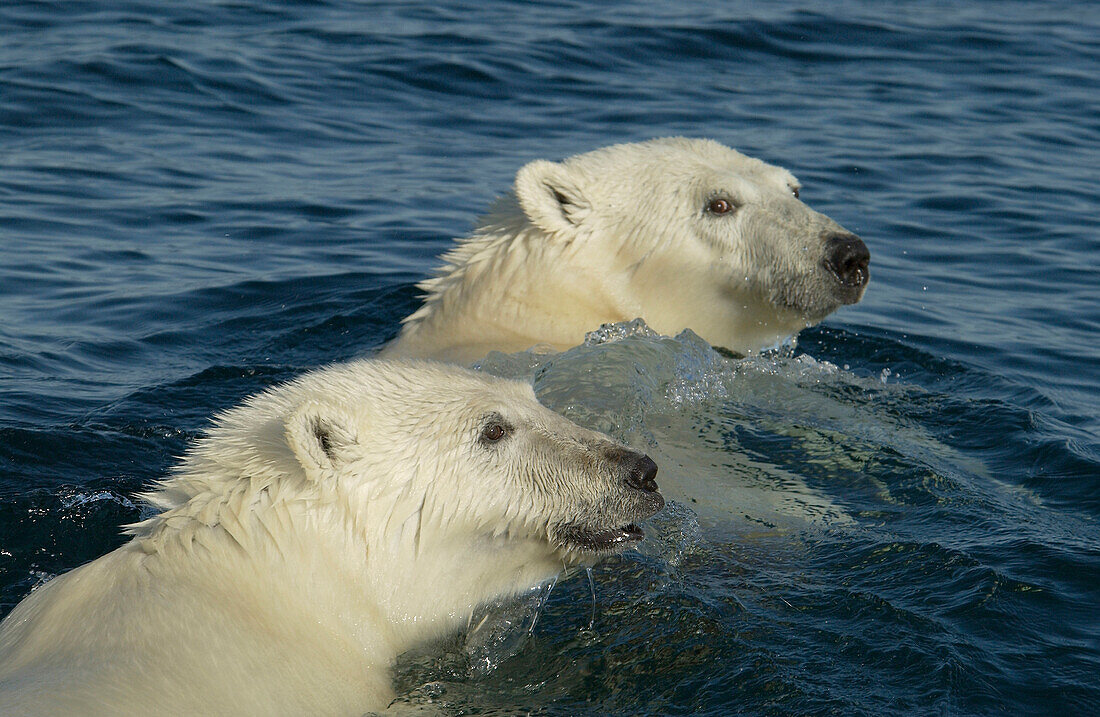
(639, 475)
(639, 500)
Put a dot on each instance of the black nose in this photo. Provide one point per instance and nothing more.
(642, 473)
(847, 257)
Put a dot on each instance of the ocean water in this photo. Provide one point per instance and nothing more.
(896, 515)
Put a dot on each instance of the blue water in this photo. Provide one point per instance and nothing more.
(900, 516)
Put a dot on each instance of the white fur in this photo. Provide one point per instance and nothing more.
(316, 532)
(621, 233)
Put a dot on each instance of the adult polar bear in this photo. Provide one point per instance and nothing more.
(316, 532)
(684, 233)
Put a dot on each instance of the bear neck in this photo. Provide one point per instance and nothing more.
(509, 287)
(294, 542)
(328, 559)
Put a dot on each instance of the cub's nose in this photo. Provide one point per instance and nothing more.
(847, 257)
(642, 473)
(638, 470)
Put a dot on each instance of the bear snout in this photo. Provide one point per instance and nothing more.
(631, 497)
(638, 470)
(638, 474)
(642, 473)
(848, 259)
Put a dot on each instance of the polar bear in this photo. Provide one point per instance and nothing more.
(683, 233)
(316, 532)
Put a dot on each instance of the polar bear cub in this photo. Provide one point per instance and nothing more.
(683, 233)
(316, 532)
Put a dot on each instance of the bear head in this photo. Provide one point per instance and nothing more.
(450, 487)
(697, 235)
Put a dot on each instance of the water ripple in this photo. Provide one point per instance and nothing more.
(897, 516)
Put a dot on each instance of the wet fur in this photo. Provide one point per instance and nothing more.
(315, 533)
(623, 232)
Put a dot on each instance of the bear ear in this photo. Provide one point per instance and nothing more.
(551, 197)
(320, 437)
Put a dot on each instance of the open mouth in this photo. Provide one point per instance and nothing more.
(852, 277)
(849, 285)
(601, 541)
(856, 279)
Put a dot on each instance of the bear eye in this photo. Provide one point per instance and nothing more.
(720, 206)
(494, 431)
(794, 191)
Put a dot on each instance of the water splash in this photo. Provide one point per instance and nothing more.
(592, 589)
(72, 498)
(499, 629)
(713, 422)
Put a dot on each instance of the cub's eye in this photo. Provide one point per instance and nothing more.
(794, 191)
(494, 432)
(720, 206)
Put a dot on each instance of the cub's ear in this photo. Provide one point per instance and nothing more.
(551, 197)
(320, 437)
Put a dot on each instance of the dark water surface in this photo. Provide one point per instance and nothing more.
(200, 199)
